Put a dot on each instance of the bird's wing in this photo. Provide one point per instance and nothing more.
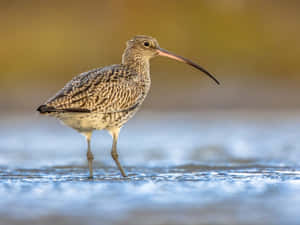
(106, 90)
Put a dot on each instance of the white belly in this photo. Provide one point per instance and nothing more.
(86, 122)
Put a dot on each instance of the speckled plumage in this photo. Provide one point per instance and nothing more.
(106, 98)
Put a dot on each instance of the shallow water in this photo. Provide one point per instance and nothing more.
(185, 168)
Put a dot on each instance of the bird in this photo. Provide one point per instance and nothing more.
(106, 98)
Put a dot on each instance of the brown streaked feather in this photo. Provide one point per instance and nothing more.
(106, 90)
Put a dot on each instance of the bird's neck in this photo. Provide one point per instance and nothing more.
(140, 66)
(138, 63)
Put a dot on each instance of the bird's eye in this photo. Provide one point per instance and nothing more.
(146, 43)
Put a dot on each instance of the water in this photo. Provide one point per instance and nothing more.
(185, 168)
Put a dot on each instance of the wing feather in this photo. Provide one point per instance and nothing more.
(106, 90)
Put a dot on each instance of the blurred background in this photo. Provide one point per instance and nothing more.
(251, 46)
(226, 154)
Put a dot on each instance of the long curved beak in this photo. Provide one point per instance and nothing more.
(163, 52)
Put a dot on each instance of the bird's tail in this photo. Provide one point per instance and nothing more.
(43, 109)
(46, 109)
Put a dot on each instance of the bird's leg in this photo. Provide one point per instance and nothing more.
(115, 133)
(89, 154)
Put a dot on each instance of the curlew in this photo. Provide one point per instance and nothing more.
(106, 98)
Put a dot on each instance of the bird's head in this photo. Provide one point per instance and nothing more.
(143, 46)
(147, 47)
